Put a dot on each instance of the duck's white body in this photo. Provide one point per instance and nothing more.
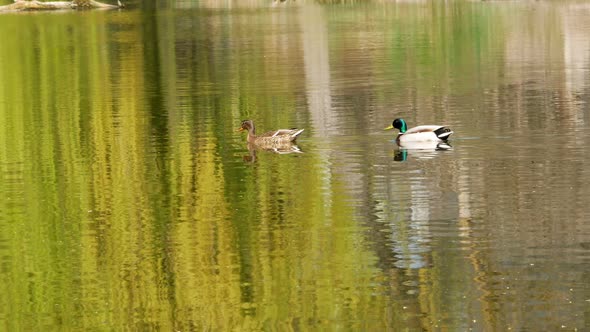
(425, 133)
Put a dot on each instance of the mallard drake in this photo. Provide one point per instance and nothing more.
(427, 133)
(271, 138)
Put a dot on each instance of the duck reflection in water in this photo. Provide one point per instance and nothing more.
(281, 141)
(282, 149)
(420, 150)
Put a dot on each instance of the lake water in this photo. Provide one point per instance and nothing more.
(130, 202)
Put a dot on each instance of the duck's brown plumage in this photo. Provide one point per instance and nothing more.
(271, 138)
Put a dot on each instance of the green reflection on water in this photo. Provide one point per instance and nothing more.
(128, 203)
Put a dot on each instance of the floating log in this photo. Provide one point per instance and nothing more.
(30, 5)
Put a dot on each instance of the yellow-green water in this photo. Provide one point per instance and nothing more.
(129, 201)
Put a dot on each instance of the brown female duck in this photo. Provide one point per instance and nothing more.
(271, 138)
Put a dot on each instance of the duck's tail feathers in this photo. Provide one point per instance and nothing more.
(295, 134)
(443, 133)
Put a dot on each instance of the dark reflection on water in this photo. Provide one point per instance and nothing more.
(132, 203)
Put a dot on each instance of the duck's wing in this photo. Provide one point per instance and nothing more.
(294, 132)
(440, 132)
(423, 129)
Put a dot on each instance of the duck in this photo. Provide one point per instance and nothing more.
(275, 138)
(424, 133)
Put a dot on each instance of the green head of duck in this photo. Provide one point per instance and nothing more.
(399, 124)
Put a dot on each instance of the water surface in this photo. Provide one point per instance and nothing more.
(130, 201)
